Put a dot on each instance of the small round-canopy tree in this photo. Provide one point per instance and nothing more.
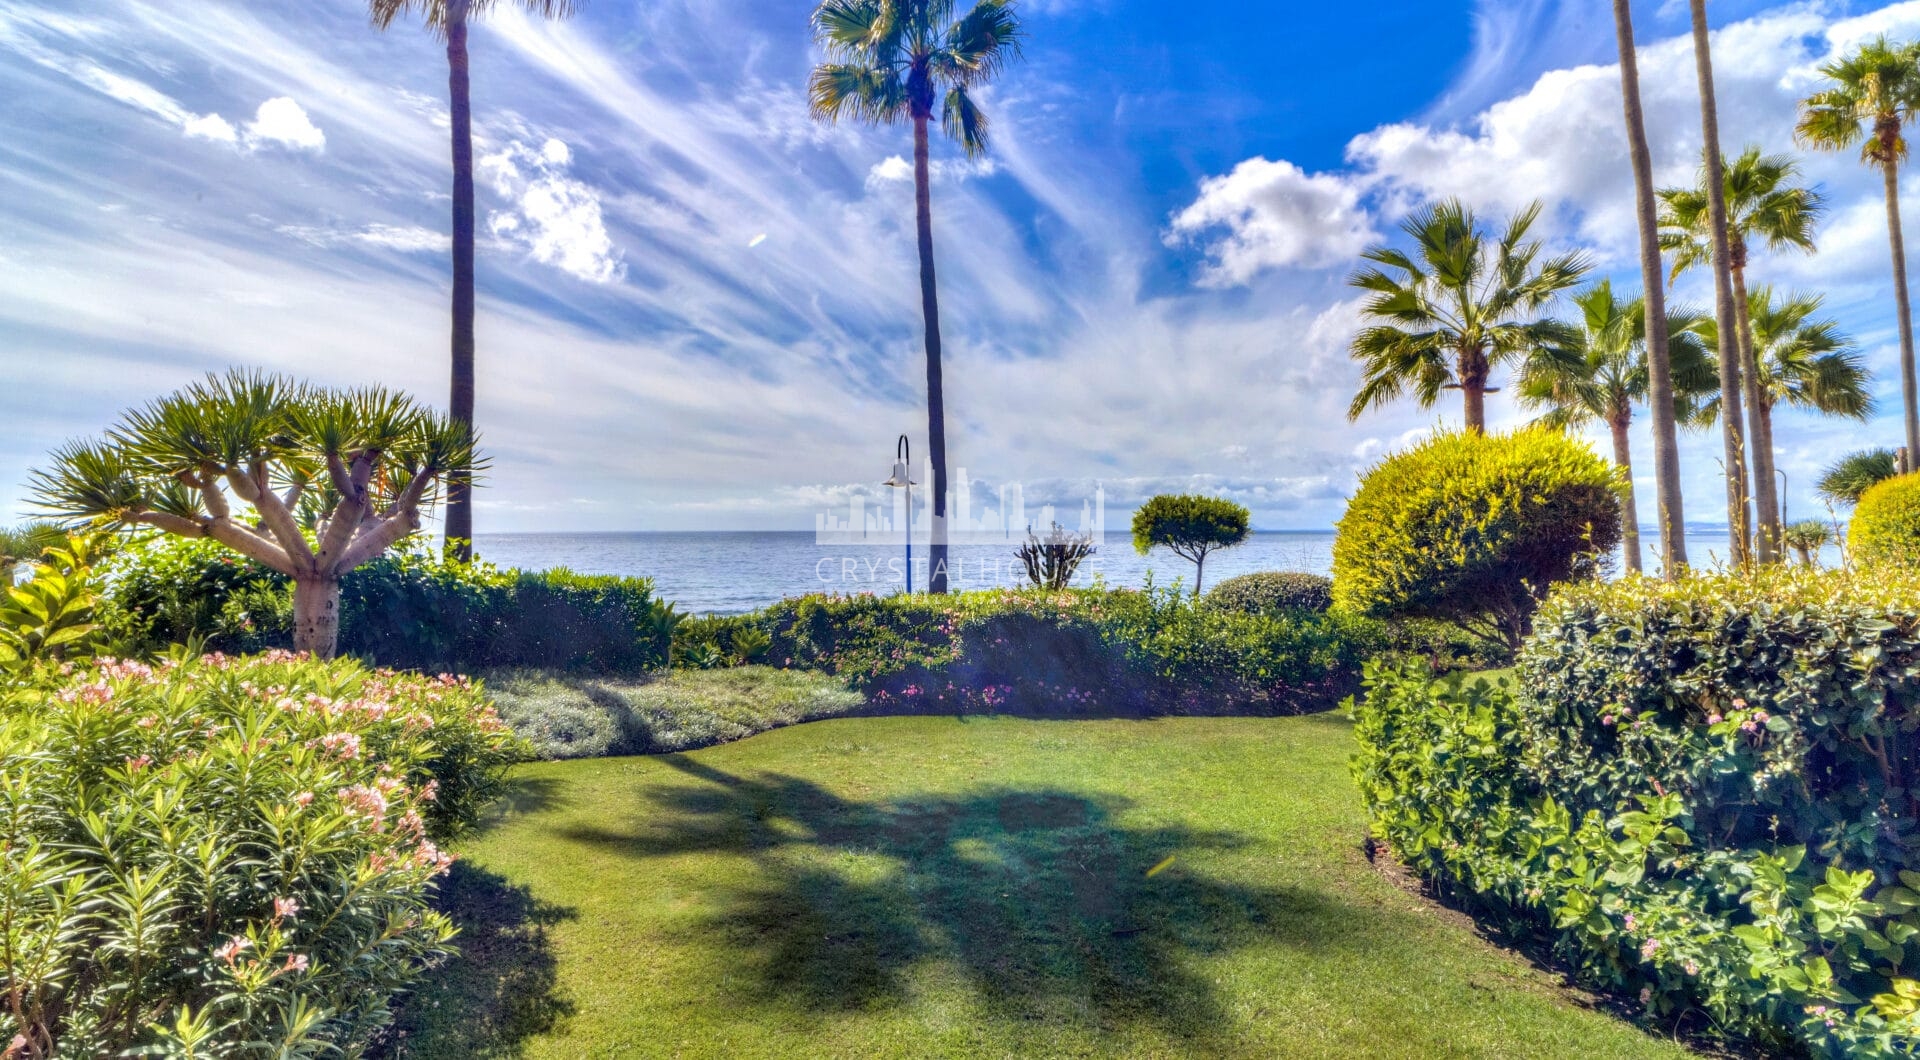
(334, 478)
(1192, 525)
(1473, 529)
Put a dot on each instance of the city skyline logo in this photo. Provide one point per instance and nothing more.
(1003, 518)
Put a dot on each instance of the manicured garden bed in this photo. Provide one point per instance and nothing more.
(970, 887)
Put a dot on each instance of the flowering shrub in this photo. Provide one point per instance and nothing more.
(224, 857)
(1071, 651)
(1704, 788)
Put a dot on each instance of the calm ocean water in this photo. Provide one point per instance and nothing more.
(729, 572)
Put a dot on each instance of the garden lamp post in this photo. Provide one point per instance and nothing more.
(900, 480)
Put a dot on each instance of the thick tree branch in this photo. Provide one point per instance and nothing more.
(337, 470)
(278, 517)
(179, 526)
(403, 518)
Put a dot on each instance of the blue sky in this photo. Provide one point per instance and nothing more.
(698, 307)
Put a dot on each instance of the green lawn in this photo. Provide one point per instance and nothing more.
(971, 888)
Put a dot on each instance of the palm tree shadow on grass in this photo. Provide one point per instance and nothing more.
(502, 987)
(1041, 898)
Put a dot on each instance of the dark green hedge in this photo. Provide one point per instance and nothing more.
(1065, 652)
(1706, 790)
(1273, 591)
(405, 610)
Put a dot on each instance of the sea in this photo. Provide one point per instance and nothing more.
(731, 572)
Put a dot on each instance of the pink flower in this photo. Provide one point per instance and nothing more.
(305, 798)
(1761, 716)
(365, 801)
(1649, 948)
(1714, 718)
(136, 764)
(1630, 922)
(342, 744)
(15, 1047)
(296, 962)
(232, 948)
(1646, 995)
(285, 908)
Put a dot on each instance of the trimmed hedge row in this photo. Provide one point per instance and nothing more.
(1067, 652)
(1706, 790)
(404, 610)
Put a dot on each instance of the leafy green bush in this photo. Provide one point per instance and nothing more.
(1474, 529)
(1271, 591)
(227, 857)
(581, 717)
(411, 610)
(1703, 788)
(1886, 523)
(1071, 652)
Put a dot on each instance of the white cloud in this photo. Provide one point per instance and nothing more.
(1274, 215)
(282, 121)
(403, 238)
(556, 219)
(895, 169)
(211, 127)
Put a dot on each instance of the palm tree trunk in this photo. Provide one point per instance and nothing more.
(459, 524)
(1473, 389)
(1666, 435)
(1629, 510)
(1766, 500)
(1890, 172)
(936, 397)
(1731, 412)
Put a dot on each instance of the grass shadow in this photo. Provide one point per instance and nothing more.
(500, 990)
(1050, 905)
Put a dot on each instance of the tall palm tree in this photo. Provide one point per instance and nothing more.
(1855, 473)
(1764, 204)
(448, 19)
(1739, 521)
(1666, 442)
(890, 61)
(1802, 361)
(1609, 373)
(1872, 94)
(1455, 308)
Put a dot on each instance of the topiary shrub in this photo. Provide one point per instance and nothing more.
(1886, 523)
(1703, 790)
(210, 854)
(1474, 529)
(1192, 526)
(1267, 592)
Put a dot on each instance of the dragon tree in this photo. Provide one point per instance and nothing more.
(308, 481)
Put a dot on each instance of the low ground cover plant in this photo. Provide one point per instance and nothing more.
(586, 716)
(1702, 790)
(408, 610)
(224, 857)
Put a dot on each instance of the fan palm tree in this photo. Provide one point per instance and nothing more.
(892, 61)
(1765, 204)
(1666, 442)
(448, 20)
(1608, 374)
(1739, 520)
(1855, 473)
(1806, 538)
(1801, 361)
(1457, 306)
(1872, 95)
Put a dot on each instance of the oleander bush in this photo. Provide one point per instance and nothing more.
(227, 857)
(1091, 651)
(1703, 790)
(1273, 591)
(1474, 529)
(1886, 523)
(408, 610)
